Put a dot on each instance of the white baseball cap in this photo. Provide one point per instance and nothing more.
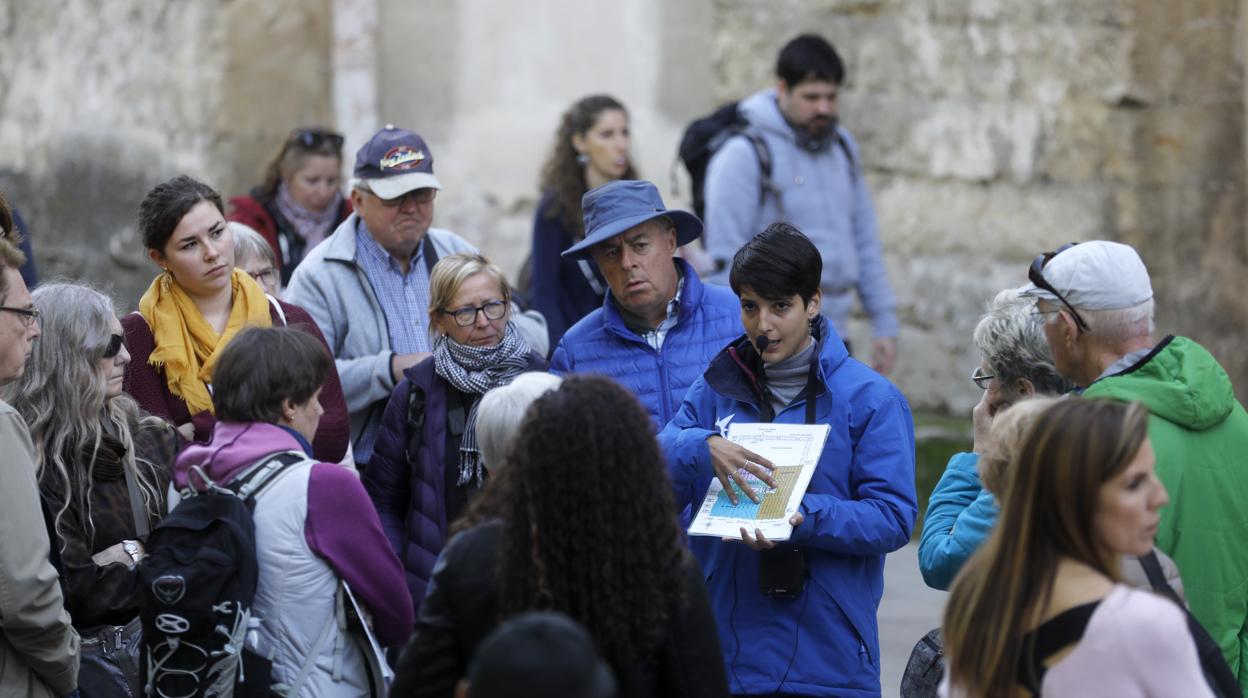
(1095, 275)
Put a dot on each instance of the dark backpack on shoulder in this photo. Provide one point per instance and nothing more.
(925, 668)
(198, 582)
(706, 135)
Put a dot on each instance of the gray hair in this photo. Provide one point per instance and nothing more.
(250, 244)
(1011, 338)
(1116, 326)
(63, 397)
(502, 409)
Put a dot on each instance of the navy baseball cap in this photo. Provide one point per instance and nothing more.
(622, 204)
(393, 162)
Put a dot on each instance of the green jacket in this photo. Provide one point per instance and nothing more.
(1199, 433)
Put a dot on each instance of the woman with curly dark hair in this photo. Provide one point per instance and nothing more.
(581, 522)
(591, 149)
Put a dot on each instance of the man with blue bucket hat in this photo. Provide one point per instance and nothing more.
(659, 325)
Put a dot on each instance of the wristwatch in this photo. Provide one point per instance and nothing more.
(132, 549)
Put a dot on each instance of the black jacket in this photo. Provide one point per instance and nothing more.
(461, 608)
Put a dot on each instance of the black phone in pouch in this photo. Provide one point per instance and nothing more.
(782, 572)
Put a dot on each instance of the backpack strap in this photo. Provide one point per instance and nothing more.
(142, 526)
(415, 420)
(1157, 577)
(763, 154)
(277, 307)
(310, 660)
(258, 477)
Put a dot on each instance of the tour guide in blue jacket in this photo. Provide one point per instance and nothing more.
(859, 506)
(659, 326)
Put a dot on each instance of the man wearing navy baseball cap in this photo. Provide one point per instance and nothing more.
(659, 325)
(367, 285)
(1097, 302)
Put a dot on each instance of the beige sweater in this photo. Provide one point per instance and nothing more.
(38, 646)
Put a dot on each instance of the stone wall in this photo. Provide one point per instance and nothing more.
(990, 129)
(100, 101)
(994, 130)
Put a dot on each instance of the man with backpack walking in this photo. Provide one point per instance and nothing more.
(792, 162)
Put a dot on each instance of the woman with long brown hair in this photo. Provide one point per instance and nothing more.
(1041, 608)
(300, 202)
(591, 149)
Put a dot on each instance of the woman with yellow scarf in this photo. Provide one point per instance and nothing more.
(195, 307)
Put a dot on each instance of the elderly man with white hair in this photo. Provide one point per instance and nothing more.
(1097, 302)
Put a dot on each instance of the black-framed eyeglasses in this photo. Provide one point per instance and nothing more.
(423, 195)
(30, 316)
(981, 378)
(464, 317)
(312, 138)
(1036, 275)
(115, 343)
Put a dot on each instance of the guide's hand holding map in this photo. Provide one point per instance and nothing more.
(794, 449)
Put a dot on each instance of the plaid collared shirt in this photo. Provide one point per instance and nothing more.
(656, 336)
(404, 298)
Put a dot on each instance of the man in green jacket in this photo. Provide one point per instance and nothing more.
(1098, 306)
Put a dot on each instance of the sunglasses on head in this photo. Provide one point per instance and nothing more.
(115, 343)
(311, 138)
(1036, 275)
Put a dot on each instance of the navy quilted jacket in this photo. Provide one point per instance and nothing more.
(410, 493)
(709, 319)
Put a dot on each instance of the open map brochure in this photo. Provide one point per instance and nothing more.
(795, 450)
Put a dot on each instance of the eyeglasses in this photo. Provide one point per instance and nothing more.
(1036, 275)
(262, 276)
(423, 195)
(30, 316)
(466, 316)
(312, 138)
(980, 378)
(115, 343)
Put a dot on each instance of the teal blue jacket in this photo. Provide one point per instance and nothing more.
(960, 515)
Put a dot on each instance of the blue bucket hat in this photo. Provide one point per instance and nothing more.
(617, 206)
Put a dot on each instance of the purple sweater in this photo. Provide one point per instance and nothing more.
(342, 526)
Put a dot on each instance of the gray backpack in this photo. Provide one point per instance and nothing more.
(925, 668)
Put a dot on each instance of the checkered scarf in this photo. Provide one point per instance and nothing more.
(475, 370)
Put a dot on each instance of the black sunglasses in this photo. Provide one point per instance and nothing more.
(1036, 275)
(312, 138)
(115, 342)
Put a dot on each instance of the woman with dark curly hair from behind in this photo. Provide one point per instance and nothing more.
(580, 521)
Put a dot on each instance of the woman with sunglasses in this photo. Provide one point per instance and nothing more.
(427, 464)
(103, 464)
(300, 202)
(195, 307)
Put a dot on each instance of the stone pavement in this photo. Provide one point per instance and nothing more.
(909, 609)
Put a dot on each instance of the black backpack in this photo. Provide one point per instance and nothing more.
(705, 135)
(198, 582)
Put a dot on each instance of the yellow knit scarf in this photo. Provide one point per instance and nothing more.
(186, 345)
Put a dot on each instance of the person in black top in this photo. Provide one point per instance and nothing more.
(580, 521)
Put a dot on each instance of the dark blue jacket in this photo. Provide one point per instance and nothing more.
(709, 318)
(860, 505)
(559, 289)
(409, 490)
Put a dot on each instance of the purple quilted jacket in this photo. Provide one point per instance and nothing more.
(410, 493)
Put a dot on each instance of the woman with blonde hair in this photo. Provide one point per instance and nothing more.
(1040, 608)
(427, 464)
